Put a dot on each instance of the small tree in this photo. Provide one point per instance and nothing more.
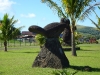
(41, 39)
(8, 31)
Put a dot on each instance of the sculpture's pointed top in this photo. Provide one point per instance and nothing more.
(64, 20)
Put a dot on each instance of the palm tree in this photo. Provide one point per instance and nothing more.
(8, 30)
(74, 10)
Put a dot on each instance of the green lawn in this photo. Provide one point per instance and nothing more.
(18, 61)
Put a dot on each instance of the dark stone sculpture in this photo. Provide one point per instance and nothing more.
(66, 33)
(52, 54)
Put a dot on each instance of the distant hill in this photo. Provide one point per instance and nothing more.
(88, 31)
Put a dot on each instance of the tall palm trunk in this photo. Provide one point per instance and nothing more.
(5, 45)
(73, 43)
(73, 38)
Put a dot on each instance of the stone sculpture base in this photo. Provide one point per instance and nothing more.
(51, 55)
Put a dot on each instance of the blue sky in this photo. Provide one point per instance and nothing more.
(33, 12)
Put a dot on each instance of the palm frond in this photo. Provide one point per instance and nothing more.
(54, 6)
(98, 18)
(14, 32)
(12, 21)
(94, 23)
(74, 8)
(88, 11)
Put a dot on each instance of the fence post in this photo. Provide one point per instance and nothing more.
(20, 41)
(1, 43)
(14, 42)
(25, 41)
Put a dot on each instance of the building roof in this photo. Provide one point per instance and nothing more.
(27, 33)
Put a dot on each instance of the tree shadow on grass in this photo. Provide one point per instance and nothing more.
(1, 73)
(89, 56)
(30, 52)
(24, 52)
(85, 68)
(89, 50)
(85, 46)
(69, 49)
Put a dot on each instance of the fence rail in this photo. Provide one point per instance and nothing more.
(14, 43)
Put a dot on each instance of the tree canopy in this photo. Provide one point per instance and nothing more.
(8, 31)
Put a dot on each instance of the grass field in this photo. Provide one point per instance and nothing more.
(18, 61)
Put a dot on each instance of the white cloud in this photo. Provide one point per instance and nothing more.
(30, 15)
(5, 5)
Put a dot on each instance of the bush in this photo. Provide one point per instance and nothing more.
(63, 72)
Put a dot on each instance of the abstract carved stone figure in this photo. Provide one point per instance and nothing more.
(67, 32)
(52, 54)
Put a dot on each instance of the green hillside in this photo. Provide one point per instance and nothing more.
(88, 31)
